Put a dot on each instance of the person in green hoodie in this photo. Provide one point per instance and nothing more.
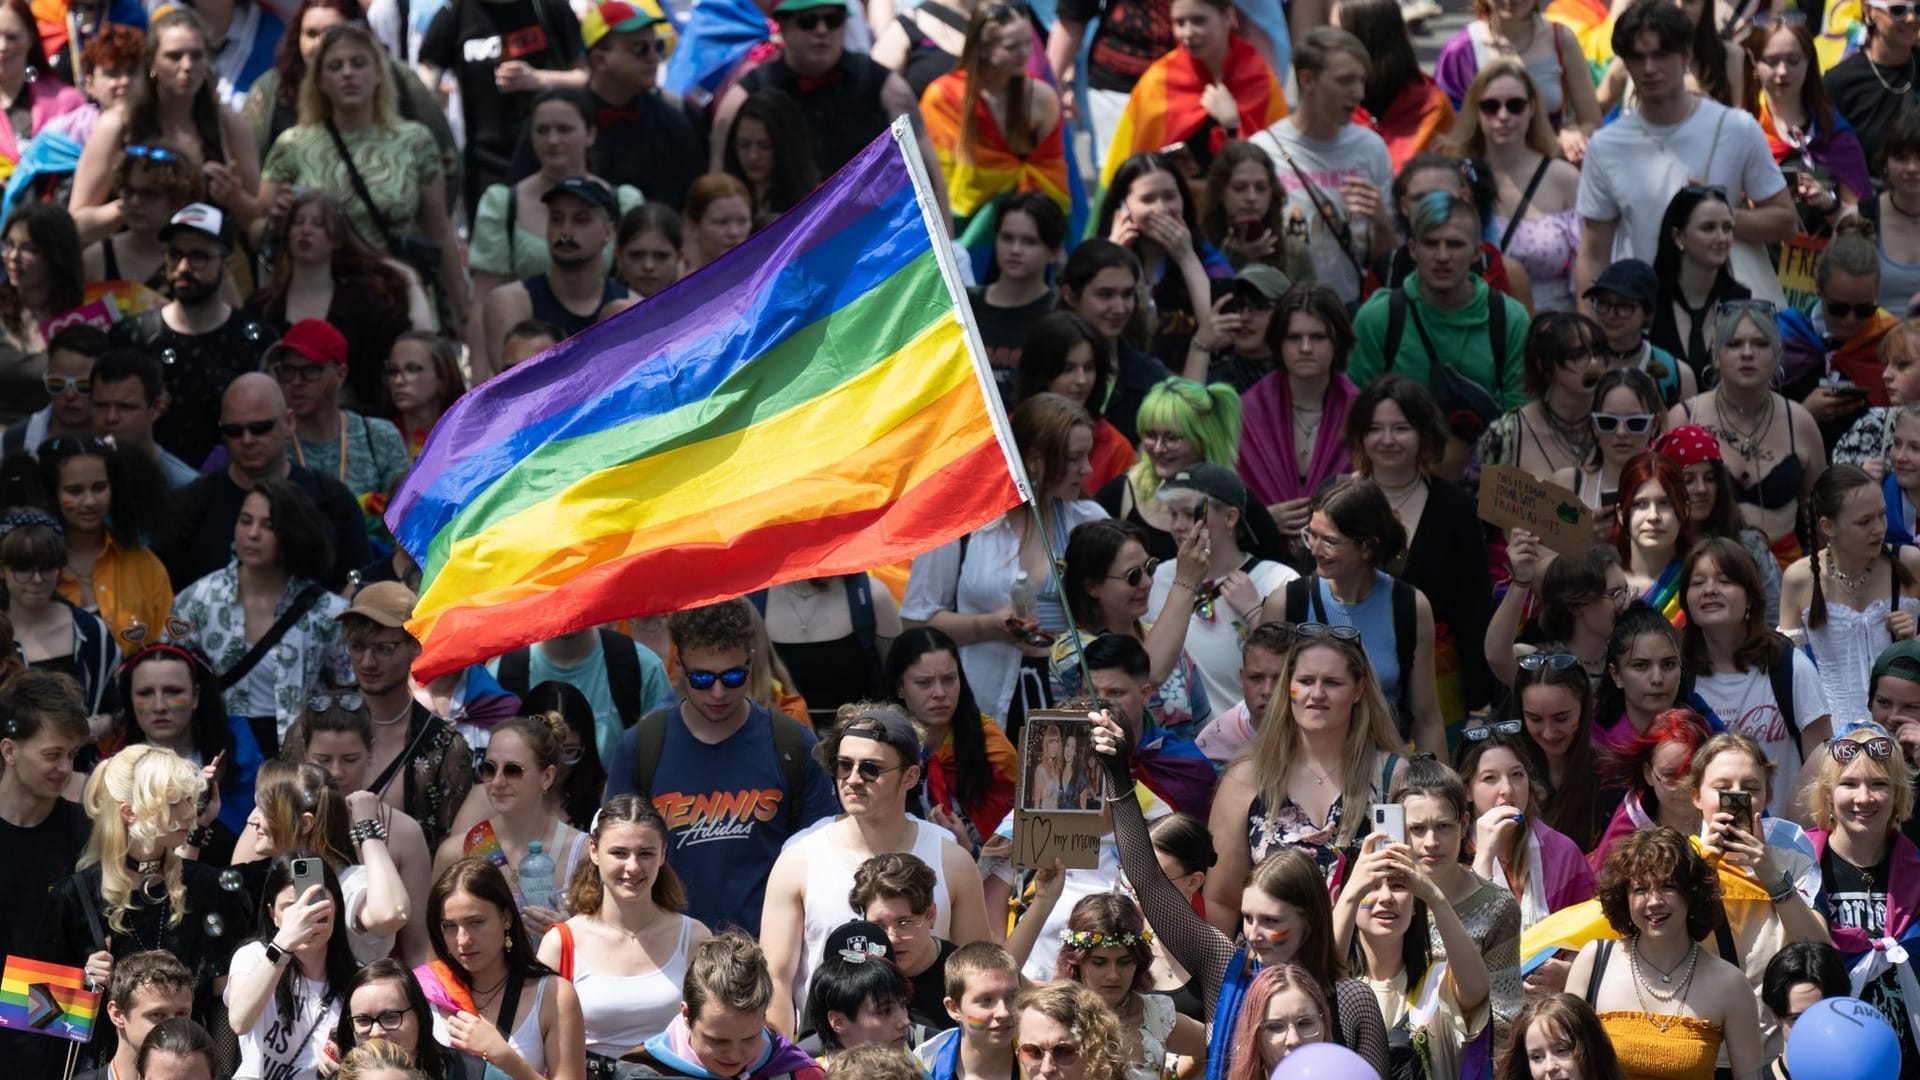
(1446, 312)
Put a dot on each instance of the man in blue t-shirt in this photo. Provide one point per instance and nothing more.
(720, 775)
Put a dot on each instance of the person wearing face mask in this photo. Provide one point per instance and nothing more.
(1391, 907)
(1622, 302)
(1281, 909)
(1853, 596)
(573, 293)
(1557, 1037)
(1860, 793)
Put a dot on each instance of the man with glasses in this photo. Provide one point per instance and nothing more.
(1877, 83)
(895, 892)
(733, 780)
(201, 340)
(875, 757)
(645, 138)
(1622, 302)
(847, 98)
(1635, 167)
(129, 394)
(254, 422)
(69, 384)
(1830, 356)
(363, 453)
(622, 680)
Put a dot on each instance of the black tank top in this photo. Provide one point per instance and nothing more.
(548, 308)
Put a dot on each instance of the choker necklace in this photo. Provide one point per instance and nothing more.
(1897, 208)
(1851, 582)
(153, 882)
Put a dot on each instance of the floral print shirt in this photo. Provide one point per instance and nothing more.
(311, 655)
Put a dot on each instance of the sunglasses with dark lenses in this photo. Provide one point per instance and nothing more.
(1136, 575)
(1834, 307)
(1898, 11)
(732, 678)
(810, 21)
(1879, 748)
(868, 770)
(1607, 423)
(1488, 731)
(258, 427)
(1492, 106)
(487, 770)
(1556, 661)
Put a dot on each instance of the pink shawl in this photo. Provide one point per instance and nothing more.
(47, 97)
(1267, 461)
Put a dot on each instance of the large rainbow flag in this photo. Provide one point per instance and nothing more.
(47, 999)
(815, 402)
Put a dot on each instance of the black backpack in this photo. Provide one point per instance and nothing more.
(623, 673)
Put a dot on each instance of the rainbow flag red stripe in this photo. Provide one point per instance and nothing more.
(813, 403)
(47, 999)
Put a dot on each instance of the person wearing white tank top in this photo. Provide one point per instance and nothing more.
(874, 757)
(627, 950)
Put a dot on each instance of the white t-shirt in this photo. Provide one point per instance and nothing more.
(1634, 169)
(285, 1049)
(1744, 702)
(1355, 151)
(1213, 644)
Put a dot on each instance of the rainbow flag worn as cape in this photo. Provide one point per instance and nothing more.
(812, 404)
(1165, 108)
(47, 999)
(975, 188)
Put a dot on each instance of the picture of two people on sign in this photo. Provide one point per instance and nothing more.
(1062, 769)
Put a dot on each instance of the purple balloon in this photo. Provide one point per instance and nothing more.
(1323, 1061)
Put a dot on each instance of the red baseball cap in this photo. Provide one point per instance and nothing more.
(316, 340)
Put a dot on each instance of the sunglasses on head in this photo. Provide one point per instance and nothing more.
(1834, 307)
(152, 153)
(810, 21)
(1514, 105)
(348, 701)
(1136, 575)
(257, 427)
(1607, 423)
(1488, 731)
(1765, 308)
(732, 678)
(1556, 661)
(1307, 631)
(1879, 748)
(487, 770)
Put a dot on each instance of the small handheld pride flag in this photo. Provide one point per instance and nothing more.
(47, 999)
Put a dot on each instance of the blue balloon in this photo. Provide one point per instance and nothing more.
(1842, 1039)
(1331, 1061)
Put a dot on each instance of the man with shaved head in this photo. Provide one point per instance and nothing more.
(255, 426)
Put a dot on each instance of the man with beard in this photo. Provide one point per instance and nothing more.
(581, 213)
(202, 342)
(256, 424)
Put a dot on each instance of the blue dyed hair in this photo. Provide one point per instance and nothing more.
(1436, 208)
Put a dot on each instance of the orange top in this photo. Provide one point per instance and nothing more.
(1685, 1051)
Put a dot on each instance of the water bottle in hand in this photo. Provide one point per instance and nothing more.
(1025, 596)
(536, 877)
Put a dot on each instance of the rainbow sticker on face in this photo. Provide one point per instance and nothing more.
(1275, 937)
(1366, 904)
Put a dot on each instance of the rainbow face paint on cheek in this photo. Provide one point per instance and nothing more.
(1366, 904)
(1273, 937)
(977, 1023)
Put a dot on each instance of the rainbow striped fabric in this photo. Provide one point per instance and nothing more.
(47, 999)
(810, 404)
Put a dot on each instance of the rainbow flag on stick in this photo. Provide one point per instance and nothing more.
(47, 999)
(816, 402)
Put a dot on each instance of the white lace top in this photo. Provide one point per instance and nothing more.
(1845, 648)
(1155, 1026)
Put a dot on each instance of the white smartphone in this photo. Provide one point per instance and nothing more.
(1391, 819)
(306, 874)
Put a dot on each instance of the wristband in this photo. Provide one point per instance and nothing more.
(363, 831)
(200, 837)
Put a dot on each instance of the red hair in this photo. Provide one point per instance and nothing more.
(1640, 470)
(1626, 763)
(1245, 1058)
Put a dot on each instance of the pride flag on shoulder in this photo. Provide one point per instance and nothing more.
(813, 403)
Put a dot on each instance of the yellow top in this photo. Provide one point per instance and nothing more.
(1685, 1051)
(129, 586)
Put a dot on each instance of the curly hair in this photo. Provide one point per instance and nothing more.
(1081, 1011)
(1107, 914)
(148, 780)
(1659, 857)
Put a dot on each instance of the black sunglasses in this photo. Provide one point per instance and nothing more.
(810, 21)
(868, 770)
(1134, 576)
(258, 427)
(1515, 105)
(1556, 661)
(1858, 311)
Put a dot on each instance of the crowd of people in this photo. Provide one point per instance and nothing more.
(1262, 301)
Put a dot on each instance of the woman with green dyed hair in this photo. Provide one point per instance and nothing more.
(1182, 423)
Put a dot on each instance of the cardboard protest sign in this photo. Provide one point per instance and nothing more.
(1057, 815)
(1513, 498)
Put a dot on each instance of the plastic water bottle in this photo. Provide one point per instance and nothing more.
(1025, 596)
(536, 877)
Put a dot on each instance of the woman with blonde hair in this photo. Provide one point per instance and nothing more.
(1326, 753)
(133, 889)
(379, 1059)
(383, 170)
(1514, 33)
(627, 950)
(1067, 1033)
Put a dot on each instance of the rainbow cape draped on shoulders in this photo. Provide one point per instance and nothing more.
(1165, 108)
(1574, 926)
(975, 187)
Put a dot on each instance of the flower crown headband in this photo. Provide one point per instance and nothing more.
(1095, 939)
